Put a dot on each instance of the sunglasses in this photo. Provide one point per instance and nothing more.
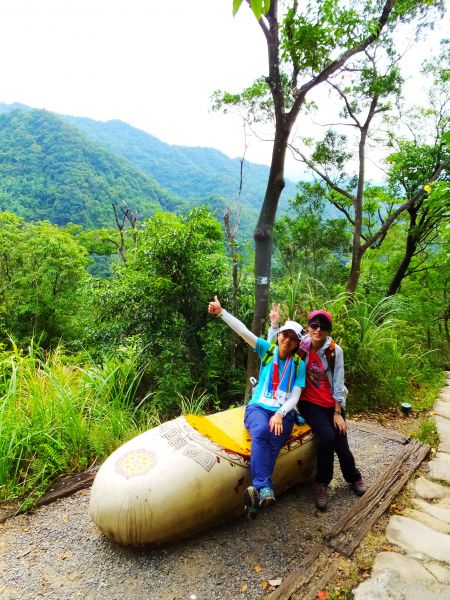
(290, 335)
(316, 326)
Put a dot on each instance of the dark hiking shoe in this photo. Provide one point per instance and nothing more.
(359, 487)
(321, 496)
(266, 496)
(251, 502)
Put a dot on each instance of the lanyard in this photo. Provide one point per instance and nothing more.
(275, 381)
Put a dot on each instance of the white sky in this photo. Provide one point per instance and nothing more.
(151, 63)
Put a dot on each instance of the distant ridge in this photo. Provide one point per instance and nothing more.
(79, 166)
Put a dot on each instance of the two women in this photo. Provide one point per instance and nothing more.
(322, 404)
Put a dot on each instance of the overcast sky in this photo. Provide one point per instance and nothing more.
(153, 64)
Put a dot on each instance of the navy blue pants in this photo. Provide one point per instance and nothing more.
(265, 444)
(320, 419)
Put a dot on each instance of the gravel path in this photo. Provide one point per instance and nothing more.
(57, 553)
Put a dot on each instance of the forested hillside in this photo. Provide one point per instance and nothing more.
(50, 170)
(70, 169)
(185, 171)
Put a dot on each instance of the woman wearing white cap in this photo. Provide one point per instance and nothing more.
(269, 416)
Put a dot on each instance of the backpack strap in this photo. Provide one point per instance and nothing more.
(268, 355)
(330, 353)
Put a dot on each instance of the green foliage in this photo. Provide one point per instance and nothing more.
(259, 7)
(50, 170)
(385, 360)
(157, 302)
(412, 165)
(58, 417)
(308, 242)
(195, 403)
(193, 176)
(42, 273)
(428, 433)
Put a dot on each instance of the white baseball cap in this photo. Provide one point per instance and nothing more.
(292, 326)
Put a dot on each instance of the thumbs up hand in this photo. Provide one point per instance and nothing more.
(214, 307)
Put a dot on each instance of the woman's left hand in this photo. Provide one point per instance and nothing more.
(276, 424)
(339, 423)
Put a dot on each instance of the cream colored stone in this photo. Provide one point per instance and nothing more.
(404, 566)
(444, 394)
(414, 537)
(428, 520)
(443, 428)
(442, 408)
(440, 571)
(438, 511)
(388, 586)
(440, 467)
(430, 490)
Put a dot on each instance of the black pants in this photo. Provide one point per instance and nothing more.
(320, 420)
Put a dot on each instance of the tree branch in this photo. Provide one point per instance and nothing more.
(404, 206)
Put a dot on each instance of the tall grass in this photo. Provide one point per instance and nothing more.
(384, 366)
(57, 417)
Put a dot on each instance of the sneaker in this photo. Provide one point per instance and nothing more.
(359, 487)
(251, 502)
(321, 496)
(266, 496)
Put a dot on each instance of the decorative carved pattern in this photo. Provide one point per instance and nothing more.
(135, 463)
(200, 456)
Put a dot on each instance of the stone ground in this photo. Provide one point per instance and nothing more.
(57, 553)
(418, 566)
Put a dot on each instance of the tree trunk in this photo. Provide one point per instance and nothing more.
(355, 270)
(263, 245)
(263, 232)
(396, 282)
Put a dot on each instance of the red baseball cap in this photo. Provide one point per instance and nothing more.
(320, 313)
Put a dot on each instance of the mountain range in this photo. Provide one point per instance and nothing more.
(70, 170)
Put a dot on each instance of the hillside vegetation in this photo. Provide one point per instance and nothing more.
(70, 170)
(50, 170)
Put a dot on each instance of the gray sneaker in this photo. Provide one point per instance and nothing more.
(321, 496)
(251, 502)
(266, 496)
(359, 487)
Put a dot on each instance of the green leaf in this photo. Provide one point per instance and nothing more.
(446, 139)
(256, 8)
(236, 6)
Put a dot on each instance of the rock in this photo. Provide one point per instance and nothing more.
(414, 537)
(440, 467)
(440, 571)
(442, 408)
(405, 567)
(444, 394)
(429, 490)
(428, 520)
(443, 428)
(438, 511)
(388, 586)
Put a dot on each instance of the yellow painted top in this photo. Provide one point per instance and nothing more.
(227, 429)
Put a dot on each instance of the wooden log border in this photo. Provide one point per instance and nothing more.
(62, 488)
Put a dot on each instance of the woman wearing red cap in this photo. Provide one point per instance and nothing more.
(322, 405)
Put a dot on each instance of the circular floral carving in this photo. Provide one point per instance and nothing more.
(135, 463)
